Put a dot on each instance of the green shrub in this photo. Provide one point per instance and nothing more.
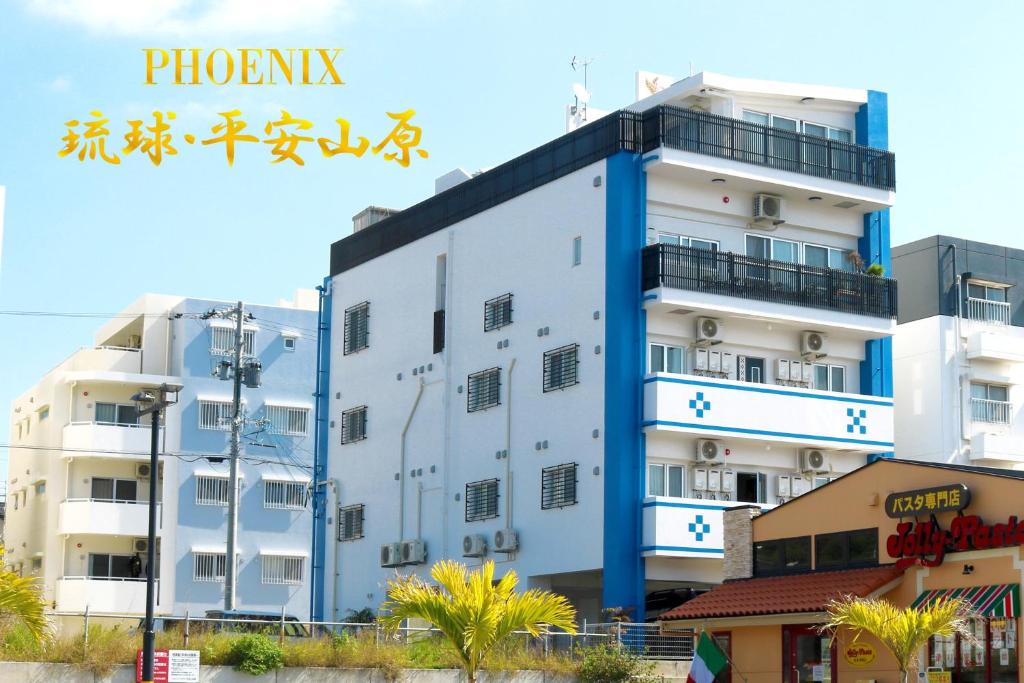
(613, 664)
(256, 654)
(876, 270)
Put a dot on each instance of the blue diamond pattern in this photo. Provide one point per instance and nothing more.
(699, 404)
(856, 421)
(699, 527)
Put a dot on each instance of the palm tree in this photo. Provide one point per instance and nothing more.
(472, 610)
(902, 631)
(20, 600)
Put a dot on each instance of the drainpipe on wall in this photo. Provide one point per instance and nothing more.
(958, 356)
(508, 450)
(401, 462)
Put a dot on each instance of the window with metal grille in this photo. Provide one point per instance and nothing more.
(561, 367)
(222, 340)
(498, 312)
(353, 425)
(282, 569)
(287, 420)
(481, 500)
(558, 486)
(357, 327)
(215, 415)
(208, 566)
(211, 490)
(350, 522)
(284, 495)
(483, 390)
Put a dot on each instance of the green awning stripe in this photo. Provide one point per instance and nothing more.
(999, 600)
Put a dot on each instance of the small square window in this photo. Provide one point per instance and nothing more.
(561, 367)
(353, 425)
(289, 343)
(558, 486)
(484, 390)
(350, 522)
(498, 312)
(481, 500)
(357, 328)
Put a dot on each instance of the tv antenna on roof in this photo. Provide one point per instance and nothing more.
(580, 92)
(584, 62)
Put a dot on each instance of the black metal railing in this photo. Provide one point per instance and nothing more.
(691, 130)
(716, 272)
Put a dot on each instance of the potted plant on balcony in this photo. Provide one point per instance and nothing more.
(875, 270)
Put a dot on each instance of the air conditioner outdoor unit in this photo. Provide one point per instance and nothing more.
(474, 545)
(140, 545)
(708, 331)
(710, 452)
(814, 460)
(414, 552)
(143, 470)
(391, 555)
(506, 541)
(813, 345)
(768, 210)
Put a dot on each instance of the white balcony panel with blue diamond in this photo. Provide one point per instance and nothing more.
(727, 409)
(683, 527)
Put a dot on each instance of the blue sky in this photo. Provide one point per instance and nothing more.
(487, 80)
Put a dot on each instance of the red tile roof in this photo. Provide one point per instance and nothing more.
(783, 594)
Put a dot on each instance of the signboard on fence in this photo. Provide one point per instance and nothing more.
(171, 666)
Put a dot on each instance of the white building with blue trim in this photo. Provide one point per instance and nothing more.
(572, 362)
(79, 464)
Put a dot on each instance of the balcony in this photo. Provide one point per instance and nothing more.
(106, 440)
(997, 450)
(102, 595)
(106, 517)
(991, 412)
(683, 527)
(788, 289)
(107, 359)
(722, 408)
(988, 312)
(712, 135)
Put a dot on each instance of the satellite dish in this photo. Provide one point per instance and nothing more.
(581, 93)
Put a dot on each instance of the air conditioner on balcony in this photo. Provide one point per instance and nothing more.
(414, 552)
(710, 452)
(768, 211)
(813, 460)
(474, 545)
(143, 470)
(506, 541)
(391, 555)
(708, 331)
(140, 545)
(813, 345)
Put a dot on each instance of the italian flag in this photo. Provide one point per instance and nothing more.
(708, 661)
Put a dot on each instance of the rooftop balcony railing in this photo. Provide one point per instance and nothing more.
(989, 312)
(696, 131)
(993, 412)
(716, 272)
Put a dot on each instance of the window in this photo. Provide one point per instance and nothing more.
(665, 480)
(750, 369)
(481, 500)
(990, 403)
(827, 257)
(773, 248)
(40, 488)
(289, 343)
(558, 486)
(284, 495)
(782, 556)
(665, 358)
(222, 340)
(822, 481)
(282, 569)
(107, 566)
(357, 327)
(287, 420)
(498, 312)
(683, 241)
(577, 251)
(211, 490)
(484, 389)
(116, 414)
(560, 367)
(977, 290)
(353, 425)
(37, 564)
(215, 415)
(209, 567)
(350, 522)
(751, 487)
(44, 413)
(829, 377)
(846, 549)
(988, 303)
(114, 490)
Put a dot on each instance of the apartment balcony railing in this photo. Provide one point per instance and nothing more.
(716, 272)
(690, 130)
(995, 412)
(990, 312)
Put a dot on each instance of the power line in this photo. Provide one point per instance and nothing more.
(187, 457)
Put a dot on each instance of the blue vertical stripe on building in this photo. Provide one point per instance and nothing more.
(322, 397)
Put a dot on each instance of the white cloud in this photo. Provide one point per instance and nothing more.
(59, 84)
(192, 17)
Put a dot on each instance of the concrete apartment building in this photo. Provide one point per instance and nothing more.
(573, 362)
(79, 464)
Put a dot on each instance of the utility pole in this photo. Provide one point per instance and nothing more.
(250, 375)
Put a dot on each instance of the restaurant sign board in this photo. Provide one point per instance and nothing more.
(929, 501)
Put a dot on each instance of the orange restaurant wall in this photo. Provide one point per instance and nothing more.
(756, 654)
(883, 669)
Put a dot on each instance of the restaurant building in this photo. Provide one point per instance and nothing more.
(908, 532)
